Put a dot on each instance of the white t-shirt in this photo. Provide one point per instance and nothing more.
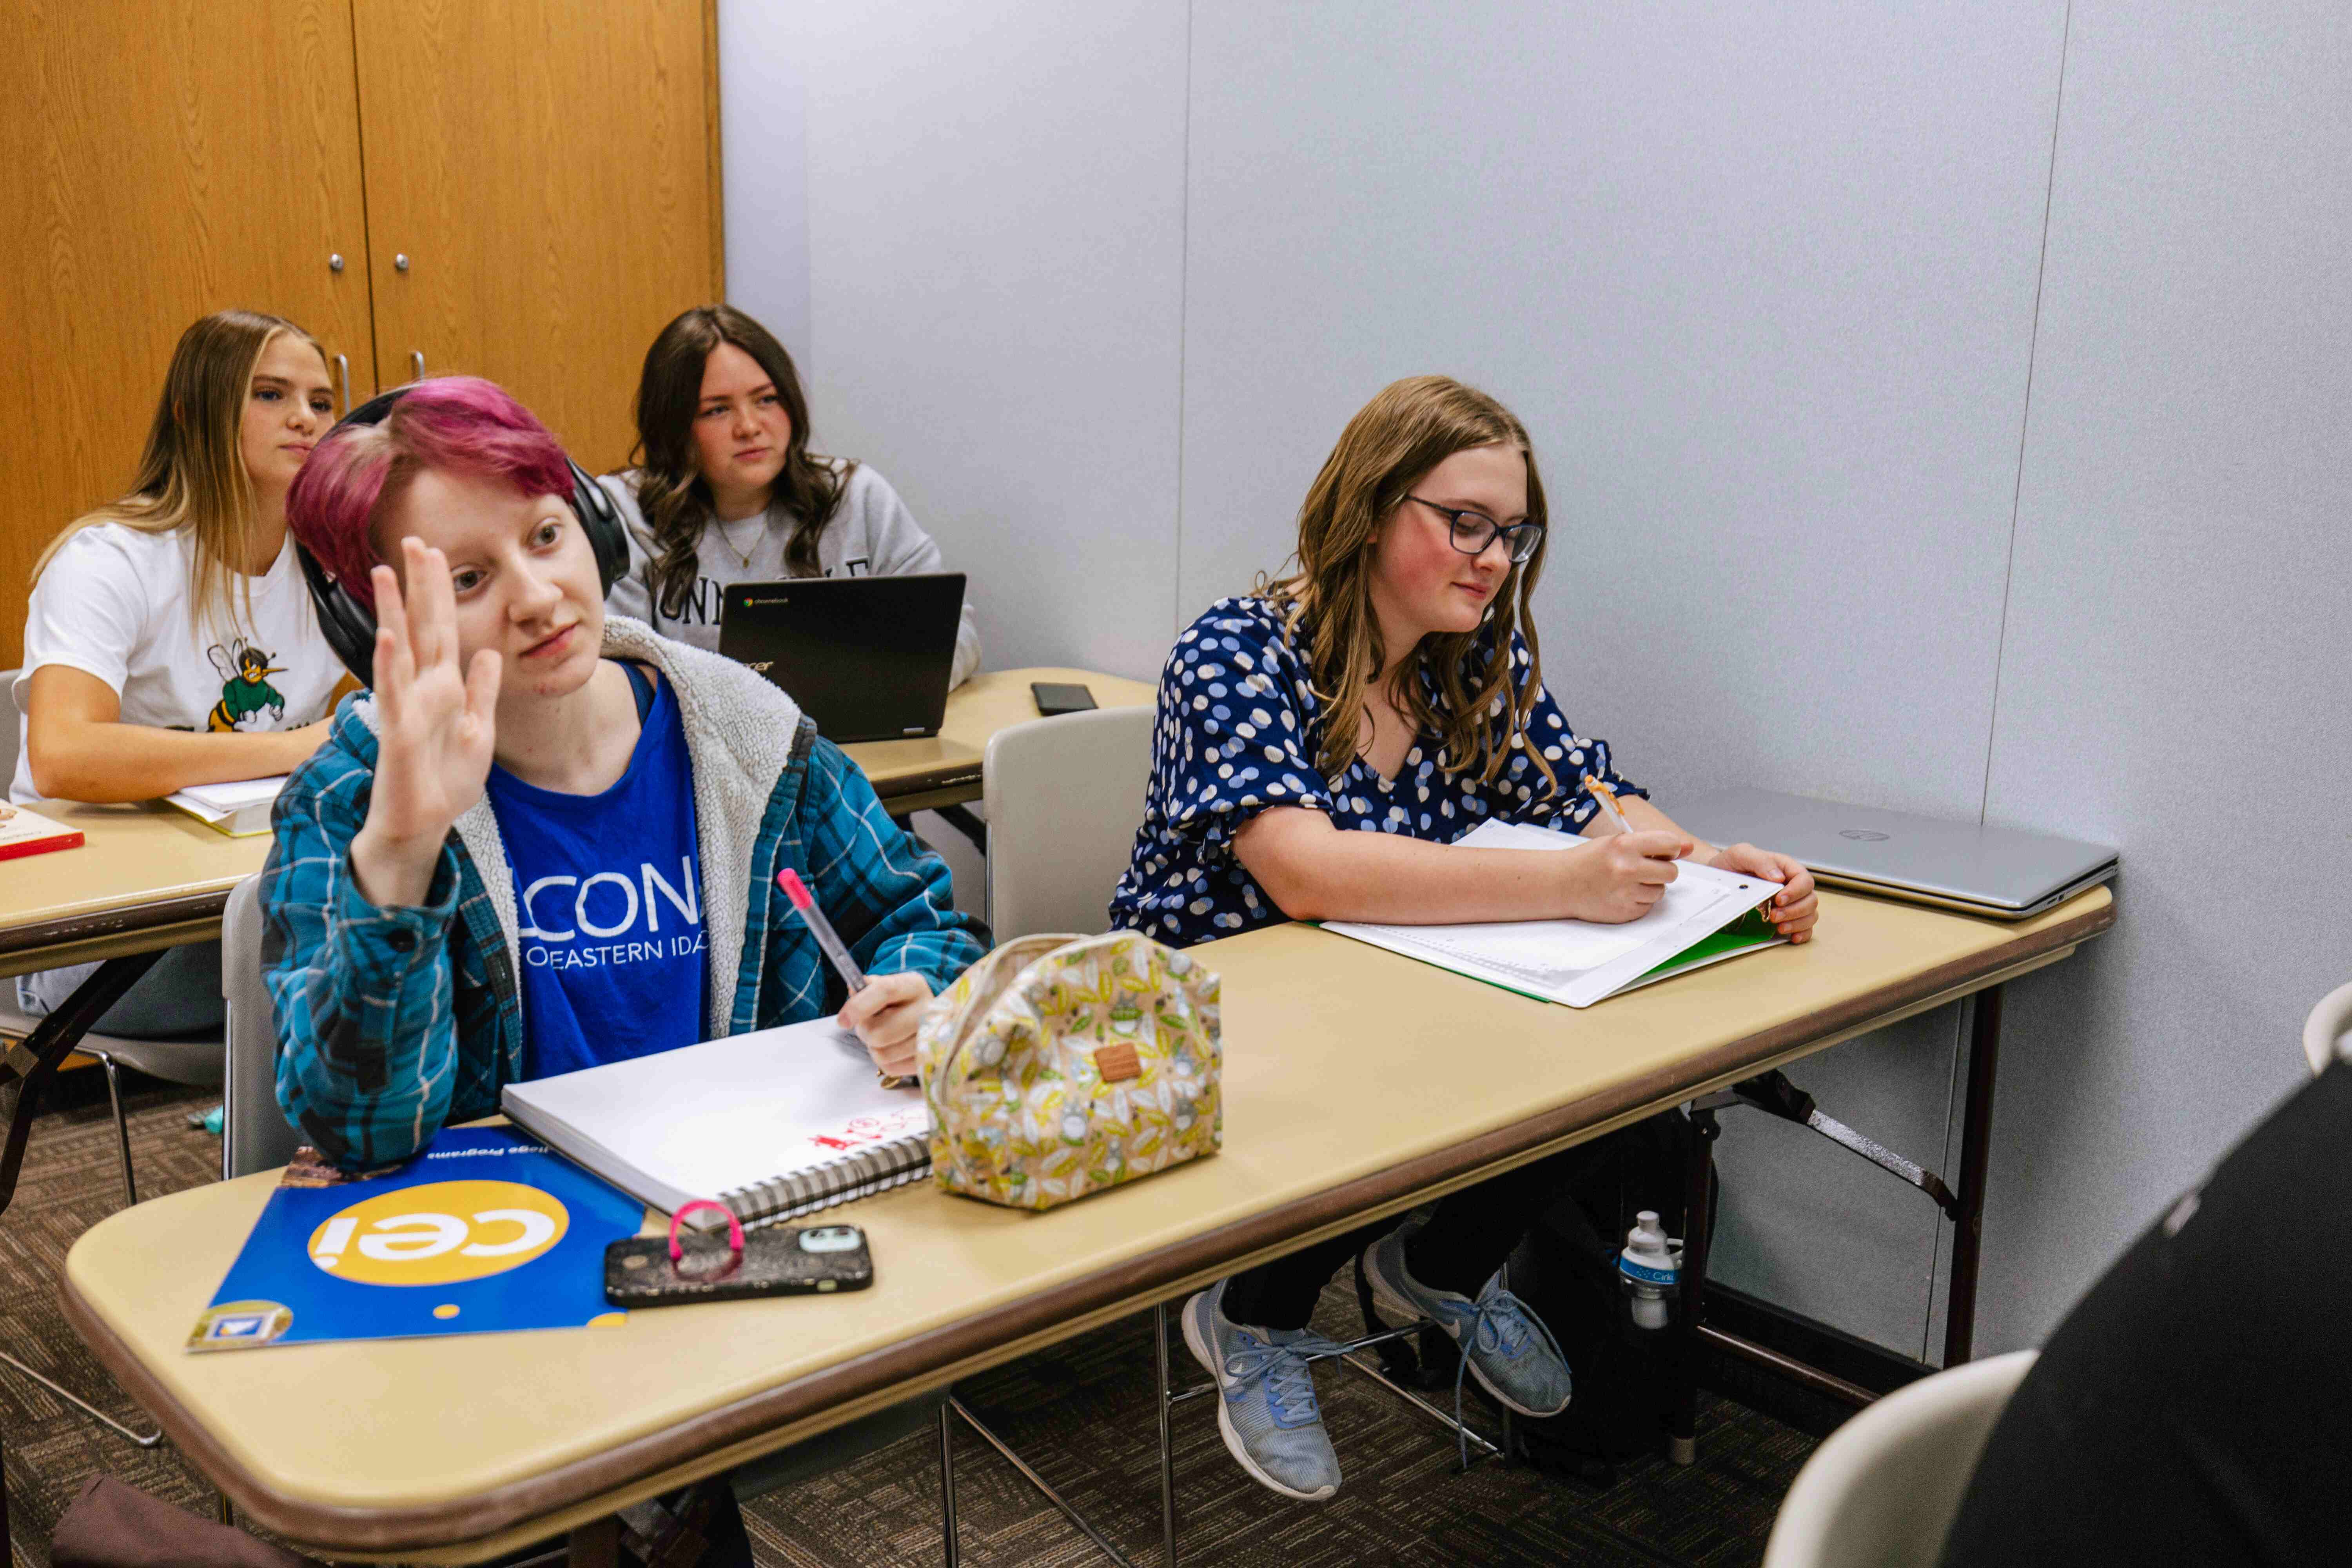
(114, 602)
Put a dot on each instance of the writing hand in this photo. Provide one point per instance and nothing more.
(885, 1015)
(1622, 878)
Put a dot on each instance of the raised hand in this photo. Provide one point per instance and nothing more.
(1622, 878)
(435, 729)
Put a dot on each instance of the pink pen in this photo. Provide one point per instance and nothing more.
(830, 940)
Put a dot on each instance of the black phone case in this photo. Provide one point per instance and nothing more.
(1056, 698)
(775, 1262)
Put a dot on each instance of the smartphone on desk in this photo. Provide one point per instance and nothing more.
(780, 1260)
(1057, 698)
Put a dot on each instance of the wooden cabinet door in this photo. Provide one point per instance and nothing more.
(164, 158)
(542, 182)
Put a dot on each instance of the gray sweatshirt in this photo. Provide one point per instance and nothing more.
(872, 533)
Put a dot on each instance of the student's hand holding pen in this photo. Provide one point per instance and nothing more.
(883, 1010)
(1622, 878)
(885, 1015)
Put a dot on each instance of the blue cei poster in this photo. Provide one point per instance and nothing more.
(485, 1230)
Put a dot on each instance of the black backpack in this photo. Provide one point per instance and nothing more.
(1566, 1270)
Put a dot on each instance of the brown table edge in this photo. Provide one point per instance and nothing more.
(924, 1359)
(110, 931)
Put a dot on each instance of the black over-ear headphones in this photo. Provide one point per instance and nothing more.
(350, 626)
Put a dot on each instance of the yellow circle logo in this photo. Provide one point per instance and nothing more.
(440, 1233)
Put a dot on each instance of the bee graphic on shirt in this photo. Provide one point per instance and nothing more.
(246, 690)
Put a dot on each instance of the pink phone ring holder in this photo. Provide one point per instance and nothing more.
(734, 1229)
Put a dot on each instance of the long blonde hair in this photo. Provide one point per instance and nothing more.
(1410, 427)
(192, 474)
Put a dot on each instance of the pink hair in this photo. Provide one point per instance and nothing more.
(452, 424)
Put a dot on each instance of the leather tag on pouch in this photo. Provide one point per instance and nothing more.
(1116, 1063)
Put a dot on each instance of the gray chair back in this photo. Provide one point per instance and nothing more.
(1064, 798)
(255, 1133)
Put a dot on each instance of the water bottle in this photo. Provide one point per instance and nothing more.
(1651, 1270)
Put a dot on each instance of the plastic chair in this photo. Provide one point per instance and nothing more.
(1064, 796)
(196, 1060)
(1884, 1490)
(2328, 1033)
(255, 1133)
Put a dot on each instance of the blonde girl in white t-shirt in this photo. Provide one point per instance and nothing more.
(170, 640)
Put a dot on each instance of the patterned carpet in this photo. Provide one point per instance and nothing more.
(1079, 1413)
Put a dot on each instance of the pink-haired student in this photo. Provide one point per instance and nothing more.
(548, 837)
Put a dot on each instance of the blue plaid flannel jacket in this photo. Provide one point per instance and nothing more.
(395, 1021)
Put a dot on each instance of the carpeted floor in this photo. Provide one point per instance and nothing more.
(1079, 1413)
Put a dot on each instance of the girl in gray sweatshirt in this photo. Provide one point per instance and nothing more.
(727, 491)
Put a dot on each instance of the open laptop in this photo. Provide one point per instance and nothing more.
(2005, 873)
(867, 657)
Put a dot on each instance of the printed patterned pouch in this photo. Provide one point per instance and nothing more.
(1058, 1066)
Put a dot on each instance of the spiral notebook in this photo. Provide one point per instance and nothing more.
(772, 1124)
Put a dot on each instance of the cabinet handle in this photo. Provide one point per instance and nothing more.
(335, 262)
(400, 261)
(416, 358)
(343, 370)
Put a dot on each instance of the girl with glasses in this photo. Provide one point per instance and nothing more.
(1320, 741)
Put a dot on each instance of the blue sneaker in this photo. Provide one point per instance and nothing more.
(1504, 1343)
(1268, 1414)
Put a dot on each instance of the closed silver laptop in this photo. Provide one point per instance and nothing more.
(2005, 873)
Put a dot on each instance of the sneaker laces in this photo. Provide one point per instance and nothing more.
(1497, 1321)
(1289, 1385)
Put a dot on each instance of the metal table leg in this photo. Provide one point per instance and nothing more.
(950, 1547)
(1167, 1449)
(1976, 1149)
(36, 1059)
(1682, 1422)
(33, 1061)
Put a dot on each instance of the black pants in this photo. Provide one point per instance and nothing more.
(1461, 1246)
(2196, 1406)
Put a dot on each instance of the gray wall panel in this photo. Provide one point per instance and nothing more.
(1762, 286)
(2177, 671)
(996, 254)
(763, 147)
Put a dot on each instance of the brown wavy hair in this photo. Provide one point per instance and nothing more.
(1410, 427)
(192, 473)
(670, 489)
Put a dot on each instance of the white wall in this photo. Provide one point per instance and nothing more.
(2178, 672)
(1096, 286)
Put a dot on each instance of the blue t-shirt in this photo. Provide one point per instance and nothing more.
(609, 899)
(1238, 731)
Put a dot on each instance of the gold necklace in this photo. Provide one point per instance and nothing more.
(729, 539)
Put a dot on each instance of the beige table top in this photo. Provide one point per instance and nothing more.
(1357, 1082)
(148, 877)
(917, 775)
(145, 876)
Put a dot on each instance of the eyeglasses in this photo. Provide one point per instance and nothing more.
(1473, 531)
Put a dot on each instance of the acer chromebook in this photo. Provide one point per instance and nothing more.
(2004, 873)
(867, 657)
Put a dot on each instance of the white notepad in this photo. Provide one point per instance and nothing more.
(239, 809)
(772, 1123)
(1576, 962)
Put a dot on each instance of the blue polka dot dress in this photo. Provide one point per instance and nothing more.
(1238, 730)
